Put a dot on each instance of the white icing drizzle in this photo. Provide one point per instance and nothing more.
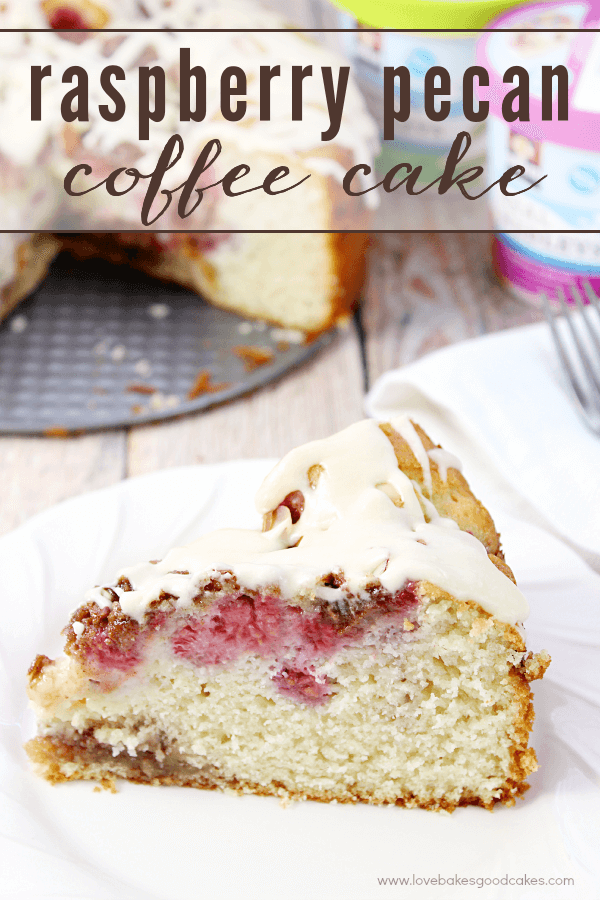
(349, 525)
(444, 461)
(406, 429)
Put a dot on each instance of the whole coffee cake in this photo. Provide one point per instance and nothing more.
(227, 247)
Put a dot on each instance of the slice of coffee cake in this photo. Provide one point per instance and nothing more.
(365, 645)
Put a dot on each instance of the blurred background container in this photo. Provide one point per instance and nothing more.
(419, 141)
(568, 152)
(533, 250)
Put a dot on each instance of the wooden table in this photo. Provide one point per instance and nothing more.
(424, 291)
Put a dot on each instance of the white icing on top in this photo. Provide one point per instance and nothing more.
(349, 525)
(407, 430)
(444, 461)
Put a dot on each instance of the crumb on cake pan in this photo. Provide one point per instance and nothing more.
(366, 645)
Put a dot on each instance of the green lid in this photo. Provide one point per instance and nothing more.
(425, 13)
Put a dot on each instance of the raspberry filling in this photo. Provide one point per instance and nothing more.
(66, 19)
(232, 626)
(267, 627)
(109, 640)
(302, 686)
(295, 503)
(105, 656)
(68, 22)
(264, 626)
(116, 652)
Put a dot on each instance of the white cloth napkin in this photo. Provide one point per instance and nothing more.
(501, 404)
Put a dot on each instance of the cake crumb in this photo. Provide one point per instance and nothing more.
(107, 784)
(118, 353)
(408, 626)
(141, 389)
(160, 401)
(159, 310)
(143, 368)
(253, 357)
(37, 667)
(284, 798)
(288, 335)
(18, 324)
(245, 327)
(535, 666)
(203, 385)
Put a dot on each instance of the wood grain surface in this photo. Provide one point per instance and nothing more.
(424, 291)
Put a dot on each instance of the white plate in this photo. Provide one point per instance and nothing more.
(176, 844)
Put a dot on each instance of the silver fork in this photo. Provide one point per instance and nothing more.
(578, 346)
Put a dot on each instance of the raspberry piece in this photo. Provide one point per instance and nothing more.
(66, 19)
(295, 503)
(302, 686)
(232, 627)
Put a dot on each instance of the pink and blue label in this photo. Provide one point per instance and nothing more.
(535, 252)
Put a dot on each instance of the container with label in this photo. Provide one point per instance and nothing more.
(419, 140)
(566, 152)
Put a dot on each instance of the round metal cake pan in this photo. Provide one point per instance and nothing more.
(103, 346)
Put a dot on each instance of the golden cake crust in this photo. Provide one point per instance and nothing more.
(452, 498)
(33, 256)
